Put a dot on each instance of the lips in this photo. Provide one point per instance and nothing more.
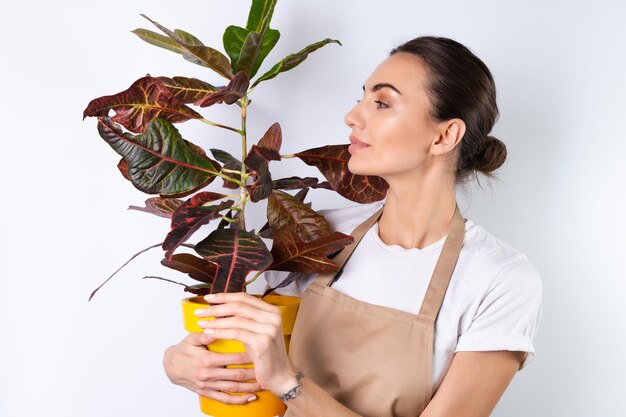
(356, 141)
(356, 145)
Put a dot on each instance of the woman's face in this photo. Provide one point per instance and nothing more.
(393, 121)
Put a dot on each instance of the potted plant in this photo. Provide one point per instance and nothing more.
(157, 160)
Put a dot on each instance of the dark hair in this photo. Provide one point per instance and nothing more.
(461, 86)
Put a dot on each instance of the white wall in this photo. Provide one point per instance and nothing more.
(559, 67)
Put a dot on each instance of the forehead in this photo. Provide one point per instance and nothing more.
(404, 71)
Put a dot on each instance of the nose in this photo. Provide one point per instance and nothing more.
(353, 117)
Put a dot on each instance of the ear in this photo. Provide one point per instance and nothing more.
(450, 134)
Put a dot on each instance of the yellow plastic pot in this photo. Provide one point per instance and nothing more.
(267, 404)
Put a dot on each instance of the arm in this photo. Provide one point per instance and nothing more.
(258, 326)
(474, 383)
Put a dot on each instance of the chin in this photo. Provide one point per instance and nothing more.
(357, 169)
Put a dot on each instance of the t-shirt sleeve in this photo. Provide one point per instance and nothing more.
(508, 316)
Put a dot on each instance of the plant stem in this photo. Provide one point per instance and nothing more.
(254, 278)
(244, 153)
(232, 129)
(291, 155)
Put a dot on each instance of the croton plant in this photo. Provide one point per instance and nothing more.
(157, 160)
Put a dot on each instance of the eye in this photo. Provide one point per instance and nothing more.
(381, 105)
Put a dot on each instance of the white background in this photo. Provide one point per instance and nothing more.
(559, 67)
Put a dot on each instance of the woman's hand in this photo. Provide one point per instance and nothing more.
(191, 365)
(258, 326)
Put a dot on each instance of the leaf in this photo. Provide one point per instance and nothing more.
(196, 52)
(273, 138)
(122, 166)
(267, 232)
(190, 216)
(200, 289)
(224, 157)
(237, 253)
(293, 60)
(162, 207)
(236, 89)
(160, 161)
(159, 40)
(258, 160)
(188, 90)
(286, 211)
(297, 182)
(291, 254)
(145, 100)
(260, 10)
(248, 47)
(197, 268)
(332, 161)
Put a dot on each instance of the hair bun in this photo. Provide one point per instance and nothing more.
(491, 156)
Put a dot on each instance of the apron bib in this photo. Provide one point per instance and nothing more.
(375, 360)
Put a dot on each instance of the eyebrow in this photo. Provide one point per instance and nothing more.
(384, 85)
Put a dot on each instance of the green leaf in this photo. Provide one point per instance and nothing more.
(145, 100)
(260, 11)
(159, 40)
(160, 161)
(188, 38)
(248, 47)
(196, 52)
(233, 39)
(293, 60)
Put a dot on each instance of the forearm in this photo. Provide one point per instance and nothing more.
(314, 401)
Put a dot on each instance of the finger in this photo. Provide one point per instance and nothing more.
(216, 360)
(244, 336)
(231, 374)
(199, 339)
(238, 387)
(227, 398)
(239, 323)
(242, 297)
(245, 310)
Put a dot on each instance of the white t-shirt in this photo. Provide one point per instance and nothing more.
(493, 301)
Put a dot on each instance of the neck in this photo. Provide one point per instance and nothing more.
(418, 211)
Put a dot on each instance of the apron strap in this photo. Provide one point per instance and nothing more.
(326, 279)
(443, 270)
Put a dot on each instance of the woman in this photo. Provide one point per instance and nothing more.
(432, 316)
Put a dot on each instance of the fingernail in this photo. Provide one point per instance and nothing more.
(203, 323)
(209, 297)
(208, 331)
(252, 398)
(198, 311)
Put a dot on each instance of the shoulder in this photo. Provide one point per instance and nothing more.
(496, 259)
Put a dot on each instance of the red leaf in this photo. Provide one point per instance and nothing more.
(236, 88)
(287, 212)
(162, 207)
(237, 253)
(332, 161)
(291, 254)
(197, 268)
(145, 100)
(190, 216)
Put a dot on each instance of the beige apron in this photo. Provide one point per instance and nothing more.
(375, 360)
